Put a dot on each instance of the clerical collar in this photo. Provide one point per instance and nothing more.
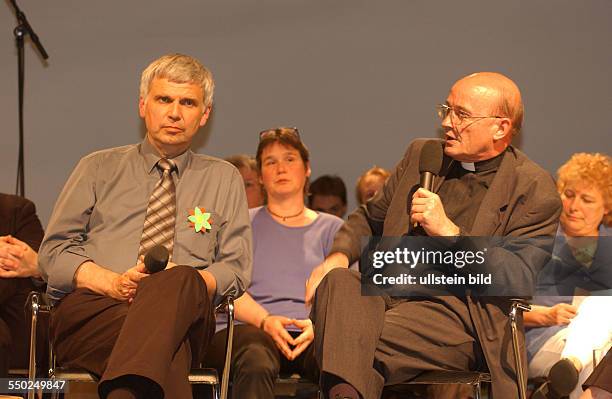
(469, 166)
(484, 166)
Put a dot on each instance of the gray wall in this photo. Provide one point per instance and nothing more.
(359, 78)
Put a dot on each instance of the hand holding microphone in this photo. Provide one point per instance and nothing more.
(154, 261)
(430, 163)
(426, 208)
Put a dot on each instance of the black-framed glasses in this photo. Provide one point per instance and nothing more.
(458, 115)
(280, 131)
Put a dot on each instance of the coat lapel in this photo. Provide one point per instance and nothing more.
(495, 202)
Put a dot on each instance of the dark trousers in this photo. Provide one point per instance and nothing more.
(15, 325)
(602, 375)
(149, 345)
(257, 362)
(372, 341)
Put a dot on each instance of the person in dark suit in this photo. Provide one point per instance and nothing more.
(20, 237)
(486, 187)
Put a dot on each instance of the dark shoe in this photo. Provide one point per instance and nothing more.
(544, 392)
(562, 379)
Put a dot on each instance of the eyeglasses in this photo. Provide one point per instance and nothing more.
(279, 132)
(458, 115)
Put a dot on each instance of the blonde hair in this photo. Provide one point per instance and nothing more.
(592, 169)
(179, 68)
(373, 171)
(243, 161)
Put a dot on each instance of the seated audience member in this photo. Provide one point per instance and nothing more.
(20, 237)
(328, 194)
(370, 183)
(565, 327)
(247, 167)
(140, 332)
(288, 240)
(599, 384)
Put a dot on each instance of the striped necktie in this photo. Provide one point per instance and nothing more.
(159, 223)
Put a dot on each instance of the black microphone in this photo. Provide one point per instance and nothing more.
(156, 259)
(430, 162)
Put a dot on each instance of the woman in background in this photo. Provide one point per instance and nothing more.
(289, 240)
(247, 166)
(564, 327)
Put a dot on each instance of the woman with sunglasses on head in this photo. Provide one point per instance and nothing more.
(564, 327)
(289, 241)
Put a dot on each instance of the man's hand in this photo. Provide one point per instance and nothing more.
(561, 314)
(274, 326)
(134, 275)
(304, 339)
(17, 259)
(333, 261)
(121, 287)
(428, 211)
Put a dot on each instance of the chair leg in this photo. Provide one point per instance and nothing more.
(476, 388)
(215, 391)
(520, 373)
(34, 305)
(228, 347)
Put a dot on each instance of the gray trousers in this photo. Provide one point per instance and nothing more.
(373, 341)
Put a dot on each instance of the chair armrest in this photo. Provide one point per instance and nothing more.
(519, 304)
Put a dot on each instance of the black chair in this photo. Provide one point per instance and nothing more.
(207, 376)
(295, 386)
(477, 378)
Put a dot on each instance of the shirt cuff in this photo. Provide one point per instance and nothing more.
(61, 280)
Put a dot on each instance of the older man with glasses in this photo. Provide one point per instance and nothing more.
(485, 187)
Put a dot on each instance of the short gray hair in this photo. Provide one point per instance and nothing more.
(179, 68)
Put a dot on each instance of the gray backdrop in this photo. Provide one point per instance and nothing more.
(359, 78)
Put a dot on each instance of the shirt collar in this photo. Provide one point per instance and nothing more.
(490, 164)
(151, 157)
(561, 249)
(484, 166)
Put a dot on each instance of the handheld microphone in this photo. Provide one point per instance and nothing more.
(430, 163)
(156, 259)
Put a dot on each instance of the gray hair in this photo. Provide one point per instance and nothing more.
(179, 68)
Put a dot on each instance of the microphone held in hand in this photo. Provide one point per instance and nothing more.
(156, 259)
(430, 163)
